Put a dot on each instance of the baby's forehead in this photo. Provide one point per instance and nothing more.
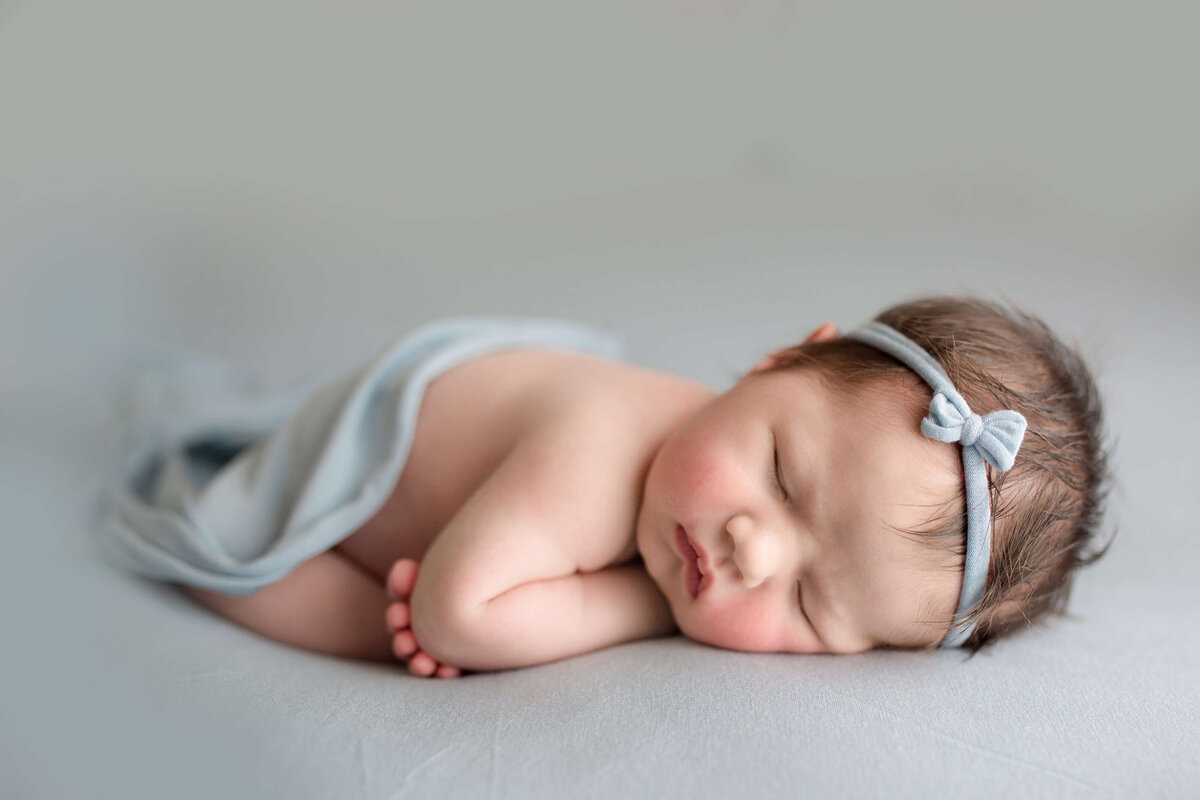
(914, 558)
(880, 423)
(913, 484)
(924, 535)
(903, 495)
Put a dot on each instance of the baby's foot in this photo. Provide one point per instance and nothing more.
(400, 582)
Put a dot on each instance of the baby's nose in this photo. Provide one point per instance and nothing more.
(754, 551)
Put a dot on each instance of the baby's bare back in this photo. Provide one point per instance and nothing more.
(474, 415)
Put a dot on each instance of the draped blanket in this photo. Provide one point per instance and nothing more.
(228, 488)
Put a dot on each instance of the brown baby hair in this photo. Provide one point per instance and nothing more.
(1047, 509)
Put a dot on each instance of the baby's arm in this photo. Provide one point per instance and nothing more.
(615, 605)
(524, 572)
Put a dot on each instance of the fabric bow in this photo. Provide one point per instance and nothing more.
(996, 436)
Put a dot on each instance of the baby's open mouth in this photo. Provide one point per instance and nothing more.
(695, 579)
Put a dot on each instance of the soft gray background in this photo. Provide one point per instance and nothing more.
(289, 185)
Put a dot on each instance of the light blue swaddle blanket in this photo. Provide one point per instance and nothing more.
(230, 490)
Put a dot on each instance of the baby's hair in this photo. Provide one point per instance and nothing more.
(1047, 508)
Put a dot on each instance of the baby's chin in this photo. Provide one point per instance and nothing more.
(690, 632)
(690, 626)
(707, 637)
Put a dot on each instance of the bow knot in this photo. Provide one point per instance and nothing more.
(971, 428)
(996, 436)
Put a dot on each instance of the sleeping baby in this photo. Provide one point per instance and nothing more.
(492, 493)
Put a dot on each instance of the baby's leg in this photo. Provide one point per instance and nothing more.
(327, 604)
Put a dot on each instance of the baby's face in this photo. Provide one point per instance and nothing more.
(769, 520)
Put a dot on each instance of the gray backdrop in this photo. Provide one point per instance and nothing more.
(287, 186)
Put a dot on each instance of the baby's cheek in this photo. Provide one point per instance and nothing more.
(750, 626)
(696, 482)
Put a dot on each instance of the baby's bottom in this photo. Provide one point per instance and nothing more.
(328, 604)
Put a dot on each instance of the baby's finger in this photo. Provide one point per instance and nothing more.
(422, 665)
(399, 617)
(401, 579)
(404, 644)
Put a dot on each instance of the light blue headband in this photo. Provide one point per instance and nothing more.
(994, 438)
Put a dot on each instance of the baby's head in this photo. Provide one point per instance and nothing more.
(805, 511)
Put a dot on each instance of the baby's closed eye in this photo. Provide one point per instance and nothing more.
(800, 604)
(778, 469)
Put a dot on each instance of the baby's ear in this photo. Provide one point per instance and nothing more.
(826, 332)
(767, 362)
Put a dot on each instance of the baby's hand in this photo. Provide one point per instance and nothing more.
(400, 582)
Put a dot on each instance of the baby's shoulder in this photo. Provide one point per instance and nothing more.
(563, 391)
(482, 409)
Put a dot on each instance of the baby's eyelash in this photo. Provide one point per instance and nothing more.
(800, 603)
(778, 469)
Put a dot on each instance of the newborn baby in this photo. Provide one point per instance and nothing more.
(934, 479)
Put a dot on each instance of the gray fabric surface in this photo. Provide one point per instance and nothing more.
(287, 188)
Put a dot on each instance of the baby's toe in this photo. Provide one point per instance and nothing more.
(401, 578)
(447, 671)
(422, 665)
(404, 644)
(398, 616)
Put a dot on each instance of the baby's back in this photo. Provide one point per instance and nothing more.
(475, 414)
